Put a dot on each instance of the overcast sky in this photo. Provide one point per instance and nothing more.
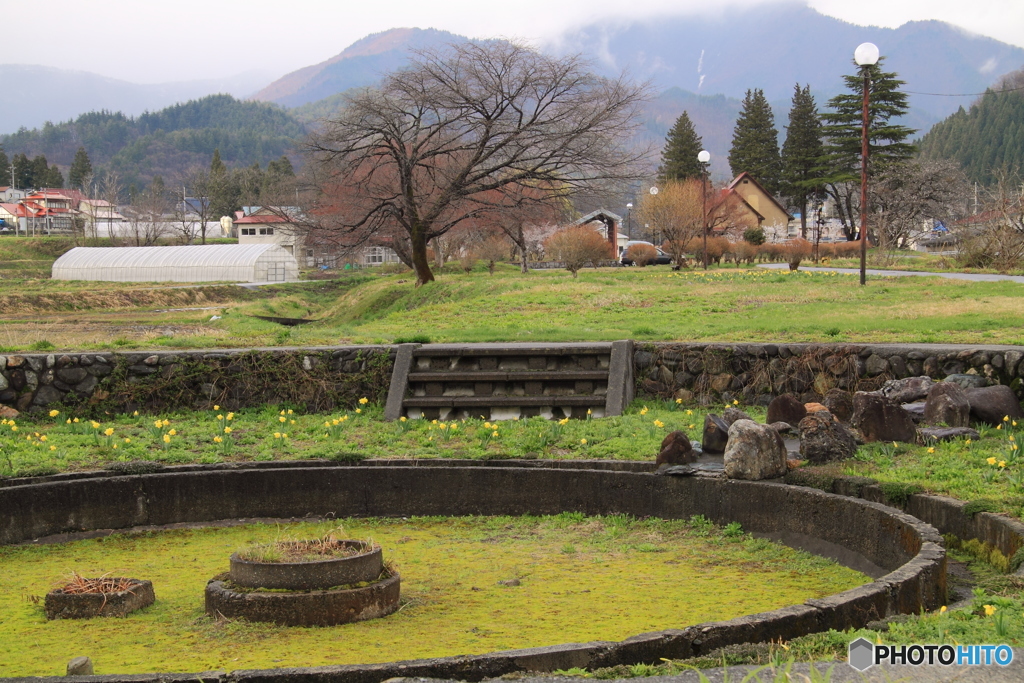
(151, 42)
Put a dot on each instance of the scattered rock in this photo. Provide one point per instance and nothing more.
(881, 419)
(730, 415)
(80, 666)
(510, 582)
(8, 413)
(991, 404)
(815, 408)
(786, 408)
(698, 449)
(929, 435)
(824, 439)
(947, 404)
(716, 434)
(649, 386)
(677, 470)
(839, 403)
(676, 450)
(754, 452)
(915, 410)
(782, 427)
(907, 390)
(967, 381)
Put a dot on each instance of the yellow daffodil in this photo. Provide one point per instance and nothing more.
(231, 416)
(643, 411)
(43, 437)
(53, 448)
(1002, 463)
(689, 412)
(277, 435)
(1006, 418)
(990, 610)
(167, 438)
(227, 430)
(564, 421)
(942, 610)
(583, 441)
(217, 439)
(931, 449)
(494, 433)
(363, 401)
(359, 410)
(991, 461)
(290, 411)
(659, 424)
(127, 440)
(173, 432)
(54, 413)
(135, 414)
(402, 419)
(109, 431)
(678, 401)
(282, 419)
(95, 425)
(220, 417)
(216, 407)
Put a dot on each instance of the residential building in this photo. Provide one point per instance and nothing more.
(100, 216)
(745, 204)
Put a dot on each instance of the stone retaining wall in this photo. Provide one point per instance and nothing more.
(320, 378)
(908, 548)
(754, 373)
(316, 378)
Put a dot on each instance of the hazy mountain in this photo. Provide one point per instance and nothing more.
(772, 47)
(166, 142)
(60, 95)
(360, 64)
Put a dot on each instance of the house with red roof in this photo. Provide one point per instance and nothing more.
(745, 204)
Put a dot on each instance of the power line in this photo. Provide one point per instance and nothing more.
(966, 94)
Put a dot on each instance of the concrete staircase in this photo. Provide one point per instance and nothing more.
(506, 381)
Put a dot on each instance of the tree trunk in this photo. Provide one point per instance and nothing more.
(803, 217)
(521, 245)
(419, 257)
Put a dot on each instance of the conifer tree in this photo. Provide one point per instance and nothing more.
(679, 158)
(5, 168)
(81, 169)
(887, 139)
(223, 188)
(755, 142)
(801, 152)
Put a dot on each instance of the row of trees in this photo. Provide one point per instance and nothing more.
(821, 153)
(22, 172)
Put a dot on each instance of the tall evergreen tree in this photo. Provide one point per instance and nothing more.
(755, 142)
(81, 169)
(223, 189)
(887, 139)
(801, 152)
(5, 168)
(679, 158)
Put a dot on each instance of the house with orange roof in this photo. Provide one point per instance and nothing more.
(746, 204)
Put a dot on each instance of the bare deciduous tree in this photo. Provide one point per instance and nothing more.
(428, 149)
(905, 198)
(578, 246)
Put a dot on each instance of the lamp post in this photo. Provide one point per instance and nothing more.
(865, 55)
(704, 157)
(629, 222)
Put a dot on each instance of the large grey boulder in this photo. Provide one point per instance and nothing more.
(947, 404)
(881, 419)
(825, 439)
(967, 381)
(992, 404)
(754, 452)
(730, 415)
(907, 390)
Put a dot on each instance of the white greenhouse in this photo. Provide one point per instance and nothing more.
(197, 263)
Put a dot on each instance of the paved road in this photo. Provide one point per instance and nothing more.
(973, 277)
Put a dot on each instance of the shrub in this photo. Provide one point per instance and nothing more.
(754, 236)
(576, 247)
(717, 247)
(745, 251)
(795, 251)
(641, 254)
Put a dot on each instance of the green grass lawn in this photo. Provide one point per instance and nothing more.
(646, 304)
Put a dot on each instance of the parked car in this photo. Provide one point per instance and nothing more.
(660, 260)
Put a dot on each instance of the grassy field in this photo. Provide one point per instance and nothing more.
(654, 303)
(623, 573)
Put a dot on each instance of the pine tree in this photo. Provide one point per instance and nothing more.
(801, 176)
(5, 168)
(679, 158)
(887, 139)
(223, 189)
(81, 169)
(755, 142)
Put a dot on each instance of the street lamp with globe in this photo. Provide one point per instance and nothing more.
(629, 222)
(704, 157)
(866, 55)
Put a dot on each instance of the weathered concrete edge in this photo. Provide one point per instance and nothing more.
(909, 588)
(945, 514)
(399, 381)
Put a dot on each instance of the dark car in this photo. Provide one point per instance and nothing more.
(661, 259)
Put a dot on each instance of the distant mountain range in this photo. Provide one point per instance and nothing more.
(59, 95)
(701, 63)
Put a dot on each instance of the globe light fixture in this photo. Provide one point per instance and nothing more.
(629, 223)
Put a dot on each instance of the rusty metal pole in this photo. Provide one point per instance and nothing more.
(864, 181)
